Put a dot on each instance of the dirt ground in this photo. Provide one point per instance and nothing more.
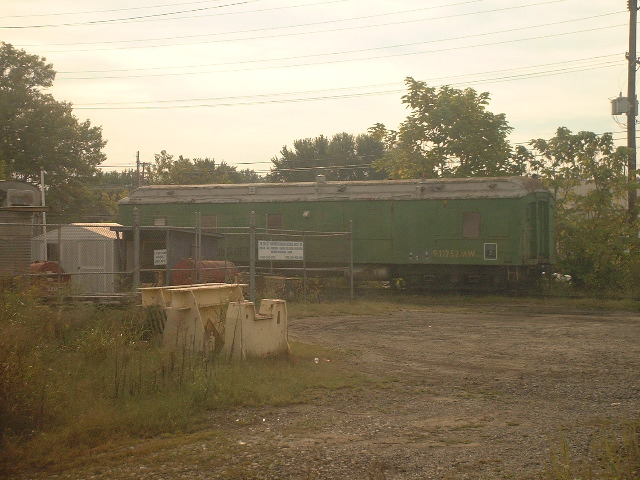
(473, 393)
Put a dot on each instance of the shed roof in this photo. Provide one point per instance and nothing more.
(82, 231)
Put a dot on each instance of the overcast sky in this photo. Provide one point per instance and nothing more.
(236, 80)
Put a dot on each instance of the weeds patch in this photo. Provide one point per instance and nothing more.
(73, 379)
(614, 454)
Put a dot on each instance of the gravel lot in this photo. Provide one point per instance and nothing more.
(477, 393)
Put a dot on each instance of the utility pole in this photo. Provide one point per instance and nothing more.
(631, 112)
(138, 167)
(44, 215)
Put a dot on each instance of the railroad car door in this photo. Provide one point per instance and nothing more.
(326, 217)
(372, 230)
(537, 237)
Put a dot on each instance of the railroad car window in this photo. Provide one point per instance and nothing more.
(274, 221)
(209, 221)
(471, 224)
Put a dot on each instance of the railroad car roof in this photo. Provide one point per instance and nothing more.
(450, 188)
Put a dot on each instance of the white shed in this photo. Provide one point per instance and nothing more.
(86, 251)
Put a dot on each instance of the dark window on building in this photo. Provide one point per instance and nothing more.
(53, 252)
(274, 221)
(471, 224)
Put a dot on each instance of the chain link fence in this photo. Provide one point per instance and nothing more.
(111, 260)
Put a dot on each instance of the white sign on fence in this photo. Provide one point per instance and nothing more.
(160, 257)
(280, 250)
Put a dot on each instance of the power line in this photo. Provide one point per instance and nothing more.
(54, 14)
(343, 96)
(311, 24)
(414, 20)
(386, 47)
(288, 7)
(128, 19)
(397, 55)
(361, 87)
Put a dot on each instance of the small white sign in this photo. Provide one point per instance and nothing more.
(160, 257)
(280, 250)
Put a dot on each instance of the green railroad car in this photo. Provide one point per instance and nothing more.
(485, 232)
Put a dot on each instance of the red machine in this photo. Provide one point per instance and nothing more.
(211, 271)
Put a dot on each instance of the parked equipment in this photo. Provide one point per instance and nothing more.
(186, 272)
(48, 276)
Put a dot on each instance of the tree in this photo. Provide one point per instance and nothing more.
(343, 157)
(109, 187)
(449, 133)
(184, 171)
(39, 133)
(597, 242)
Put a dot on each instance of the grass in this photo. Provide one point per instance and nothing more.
(613, 454)
(380, 302)
(77, 379)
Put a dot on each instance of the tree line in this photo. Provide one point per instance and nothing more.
(448, 132)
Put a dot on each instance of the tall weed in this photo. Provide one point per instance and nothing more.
(614, 454)
(76, 377)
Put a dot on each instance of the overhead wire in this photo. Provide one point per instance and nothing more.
(128, 19)
(324, 3)
(333, 30)
(395, 85)
(302, 169)
(333, 61)
(127, 9)
(343, 52)
(327, 97)
(383, 90)
(150, 17)
(310, 24)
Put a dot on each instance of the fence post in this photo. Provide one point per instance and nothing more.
(198, 240)
(136, 248)
(252, 257)
(59, 274)
(304, 268)
(351, 258)
(224, 246)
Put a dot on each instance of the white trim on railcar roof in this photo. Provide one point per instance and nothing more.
(435, 189)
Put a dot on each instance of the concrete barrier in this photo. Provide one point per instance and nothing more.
(215, 318)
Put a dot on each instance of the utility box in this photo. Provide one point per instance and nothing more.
(621, 105)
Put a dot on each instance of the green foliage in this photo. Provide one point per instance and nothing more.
(21, 360)
(343, 157)
(76, 377)
(183, 171)
(597, 240)
(110, 186)
(40, 133)
(449, 133)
